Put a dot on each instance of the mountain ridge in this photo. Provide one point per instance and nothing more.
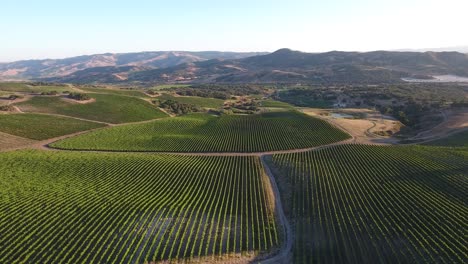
(48, 68)
(281, 66)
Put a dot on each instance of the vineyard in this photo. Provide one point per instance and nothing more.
(369, 204)
(70, 207)
(39, 127)
(207, 133)
(107, 108)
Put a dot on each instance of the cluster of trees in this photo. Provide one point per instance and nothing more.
(46, 84)
(220, 91)
(14, 97)
(409, 114)
(49, 93)
(308, 96)
(79, 96)
(177, 107)
(6, 108)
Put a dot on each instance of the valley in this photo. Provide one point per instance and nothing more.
(232, 173)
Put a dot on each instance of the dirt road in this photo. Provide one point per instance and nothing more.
(284, 255)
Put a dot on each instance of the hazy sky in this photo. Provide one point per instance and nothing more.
(54, 29)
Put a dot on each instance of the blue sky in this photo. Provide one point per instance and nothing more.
(56, 29)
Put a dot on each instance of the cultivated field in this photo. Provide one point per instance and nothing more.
(369, 204)
(207, 133)
(266, 185)
(106, 108)
(58, 207)
(39, 126)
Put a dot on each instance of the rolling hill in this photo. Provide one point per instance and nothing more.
(332, 67)
(33, 69)
(282, 66)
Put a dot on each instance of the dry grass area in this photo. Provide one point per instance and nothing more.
(454, 120)
(244, 258)
(73, 101)
(8, 141)
(368, 126)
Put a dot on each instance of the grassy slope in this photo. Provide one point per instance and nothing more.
(22, 87)
(206, 133)
(131, 208)
(167, 86)
(107, 108)
(39, 127)
(369, 204)
(456, 140)
(115, 91)
(275, 104)
(199, 101)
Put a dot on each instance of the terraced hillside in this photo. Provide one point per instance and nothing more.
(207, 133)
(70, 207)
(106, 108)
(40, 127)
(370, 204)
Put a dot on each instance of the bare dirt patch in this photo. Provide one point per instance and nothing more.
(92, 100)
(367, 126)
(8, 141)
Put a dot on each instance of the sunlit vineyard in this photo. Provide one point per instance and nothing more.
(207, 133)
(369, 204)
(40, 127)
(58, 207)
(109, 108)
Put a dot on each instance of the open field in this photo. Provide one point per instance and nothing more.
(132, 208)
(366, 126)
(199, 101)
(207, 133)
(39, 127)
(376, 204)
(106, 108)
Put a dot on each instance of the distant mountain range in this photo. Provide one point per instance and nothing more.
(125, 62)
(282, 66)
(461, 49)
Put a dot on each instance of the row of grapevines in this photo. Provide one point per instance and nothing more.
(374, 204)
(60, 207)
(206, 133)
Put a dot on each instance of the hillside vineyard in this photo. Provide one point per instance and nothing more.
(360, 204)
(206, 133)
(58, 207)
